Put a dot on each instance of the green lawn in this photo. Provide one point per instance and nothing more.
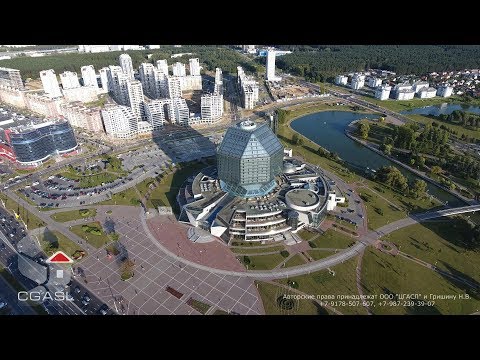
(31, 220)
(306, 235)
(64, 244)
(122, 198)
(458, 128)
(386, 274)
(73, 215)
(220, 312)
(333, 239)
(89, 181)
(379, 212)
(96, 241)
(442, 242)
(249, 250)
(143, 186)
(323, 283)
(270, 293)
(295, 260)
(166, 193)
(262, 262)
(320, 254)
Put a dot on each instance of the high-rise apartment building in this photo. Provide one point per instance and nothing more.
(88, 76)
(135, 97)
(211, 107)
(178, 69)
(271, 66)
(155, 112)
(174, 87)
(126, 65)
(104, 79)
(11, 77)
(120, 122)
(50, 83)
(162, 65)
(194, 67)
(69, 80)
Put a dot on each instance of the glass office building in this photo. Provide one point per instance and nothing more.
(248, 159)
(34, 144)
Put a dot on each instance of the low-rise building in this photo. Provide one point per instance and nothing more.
(374, 82)
(358, 82)
(419, 85)
(427, 93)
(444, 91)
(82, 117)
(84, 94)
(383, 92)
(406, 94)
(341, 80)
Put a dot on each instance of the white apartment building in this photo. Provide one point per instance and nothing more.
(194, 67)
(135, 98)
(155, 112)
(419, 85)
(82, 117)
(178, 69)
(147, 78)
(445, 91)
(126, 65)
(427, 93)
(271, 55)
(162, 65)
(117, 82)
(248, 88)
(181, 113)
(406, 94)
(373, 82)
(174, 87)
(218, 81)
(383, 92)
(69, 80)
(211, 107)
(358, 82)
(50, 83)
(402, 87)
(161, 83)
(120, 122)
(83, 94)
(89, 77)
(104, 79)
(341, 80)
(144, 128)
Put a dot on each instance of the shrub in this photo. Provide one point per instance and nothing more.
(312, 244)
(246, 260)
(284, 253)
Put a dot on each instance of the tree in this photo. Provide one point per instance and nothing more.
(297, 140)
(418, 188)
(391, 176)
(364, 129)
(436, 170)
(386, 148)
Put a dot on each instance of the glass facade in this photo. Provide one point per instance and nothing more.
(248, 159)
(37, 144)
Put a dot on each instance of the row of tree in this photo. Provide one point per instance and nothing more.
(392, 177)
(323, 62)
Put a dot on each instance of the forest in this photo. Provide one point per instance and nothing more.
(322, 62)
(211, 56)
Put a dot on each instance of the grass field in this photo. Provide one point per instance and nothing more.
(386, 274)
(295, 260)
(323, 283)
(73, 215)
(333, 239)
(307, 235)
(249, 250)
(96, 241)
(165, 194)
(143, 186)
(458, 128)
(319, 254)
(30, 220)
(441, 243)
(122, 198)
(262, 262)
(379, 212)
(270, 293)
(64, 244)
(89, 181)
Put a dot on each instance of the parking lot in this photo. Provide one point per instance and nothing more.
(148, 156)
